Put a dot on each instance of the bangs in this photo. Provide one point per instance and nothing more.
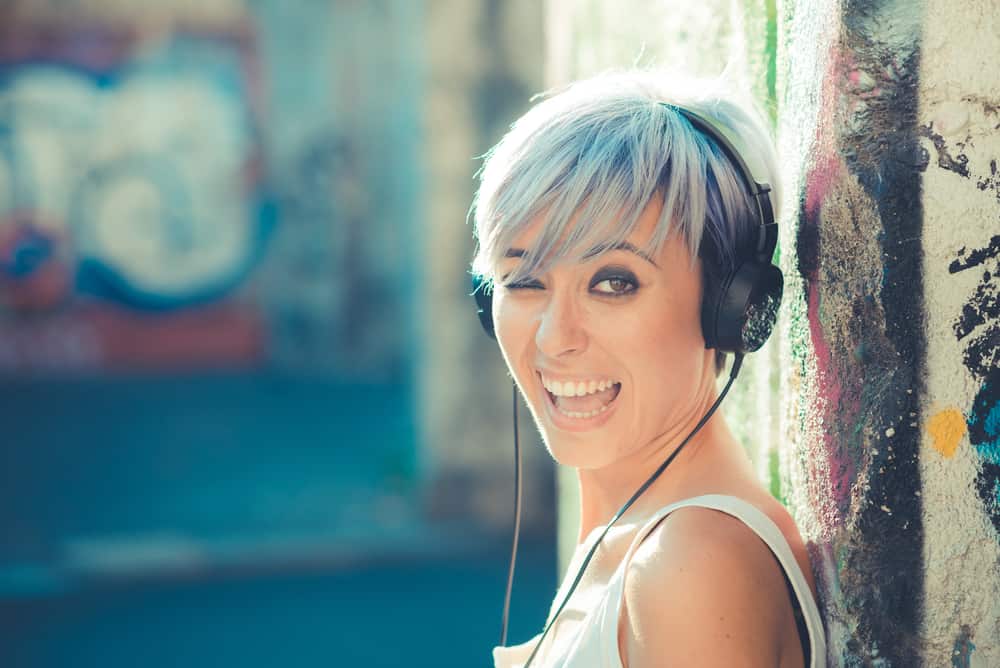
(584, 164)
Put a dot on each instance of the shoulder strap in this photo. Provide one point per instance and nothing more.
(768, 532)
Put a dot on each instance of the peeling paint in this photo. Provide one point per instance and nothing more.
(958, 126)
(977, 256)
(958, 164)
(984, 435)
(979, 325)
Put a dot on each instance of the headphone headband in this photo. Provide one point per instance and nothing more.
(759, 190)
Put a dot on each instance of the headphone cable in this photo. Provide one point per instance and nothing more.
(517, 522)
(737, 363)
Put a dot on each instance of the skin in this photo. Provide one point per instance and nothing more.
(636, 320)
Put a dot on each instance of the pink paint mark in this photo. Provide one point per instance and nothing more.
(827, 170)
(829, 392)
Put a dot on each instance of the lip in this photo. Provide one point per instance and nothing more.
(566, 423)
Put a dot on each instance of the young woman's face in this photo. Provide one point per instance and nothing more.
(608, 352)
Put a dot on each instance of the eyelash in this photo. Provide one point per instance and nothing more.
(631, 285)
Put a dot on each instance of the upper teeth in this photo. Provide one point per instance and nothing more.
(572, 388)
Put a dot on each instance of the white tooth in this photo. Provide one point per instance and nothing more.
(581, 389)
(592, 387)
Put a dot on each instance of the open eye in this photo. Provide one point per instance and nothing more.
(614, 282)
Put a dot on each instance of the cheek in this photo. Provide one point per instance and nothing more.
(667, 352)
(511, 322)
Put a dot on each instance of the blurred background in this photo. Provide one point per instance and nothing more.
(247, 414)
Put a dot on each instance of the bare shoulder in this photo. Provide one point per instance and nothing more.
(702, 589)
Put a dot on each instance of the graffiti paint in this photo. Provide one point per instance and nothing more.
(131, 191)
(978, 326)
(858, 256)
(961, 655)
(946, 429)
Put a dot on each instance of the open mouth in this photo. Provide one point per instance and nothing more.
(581, 399)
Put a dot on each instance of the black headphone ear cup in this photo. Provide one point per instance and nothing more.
(762, 307)
(482, 292)
(712, 285)
(739, 312)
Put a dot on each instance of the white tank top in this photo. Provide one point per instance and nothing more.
(596, 644)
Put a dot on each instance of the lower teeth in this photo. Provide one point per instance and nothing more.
(577, 414)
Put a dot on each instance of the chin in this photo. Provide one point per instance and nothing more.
(577, 452)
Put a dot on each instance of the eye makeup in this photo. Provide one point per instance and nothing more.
(526, 284)
(621, 281)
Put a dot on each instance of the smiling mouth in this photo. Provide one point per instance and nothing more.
(588, 405)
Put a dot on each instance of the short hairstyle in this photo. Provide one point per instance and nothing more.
(600, 149)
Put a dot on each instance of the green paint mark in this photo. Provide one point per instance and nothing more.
(774, 473)
(771, 57)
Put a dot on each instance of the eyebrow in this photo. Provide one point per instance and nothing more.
(621, 245)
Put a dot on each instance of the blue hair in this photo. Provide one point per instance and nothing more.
(600, 150)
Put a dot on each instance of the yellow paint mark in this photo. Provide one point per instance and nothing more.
(947, 428)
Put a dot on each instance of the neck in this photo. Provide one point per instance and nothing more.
(604, 491)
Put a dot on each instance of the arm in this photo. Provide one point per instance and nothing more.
(702, 590)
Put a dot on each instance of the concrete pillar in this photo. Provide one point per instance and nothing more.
(888, 119)
(958, 122)
(484, 61)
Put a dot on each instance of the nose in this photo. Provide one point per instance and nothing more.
(561, 329)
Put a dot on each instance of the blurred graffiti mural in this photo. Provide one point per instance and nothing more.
(132, 203)
(157, 212)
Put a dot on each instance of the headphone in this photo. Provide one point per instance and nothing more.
(738, 309)
(738, 313)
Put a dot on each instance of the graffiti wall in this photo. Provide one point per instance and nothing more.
(132, 202)
(893, 327)
(180, 189)
(857, 335)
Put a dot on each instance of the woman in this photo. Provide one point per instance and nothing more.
(610, 219)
